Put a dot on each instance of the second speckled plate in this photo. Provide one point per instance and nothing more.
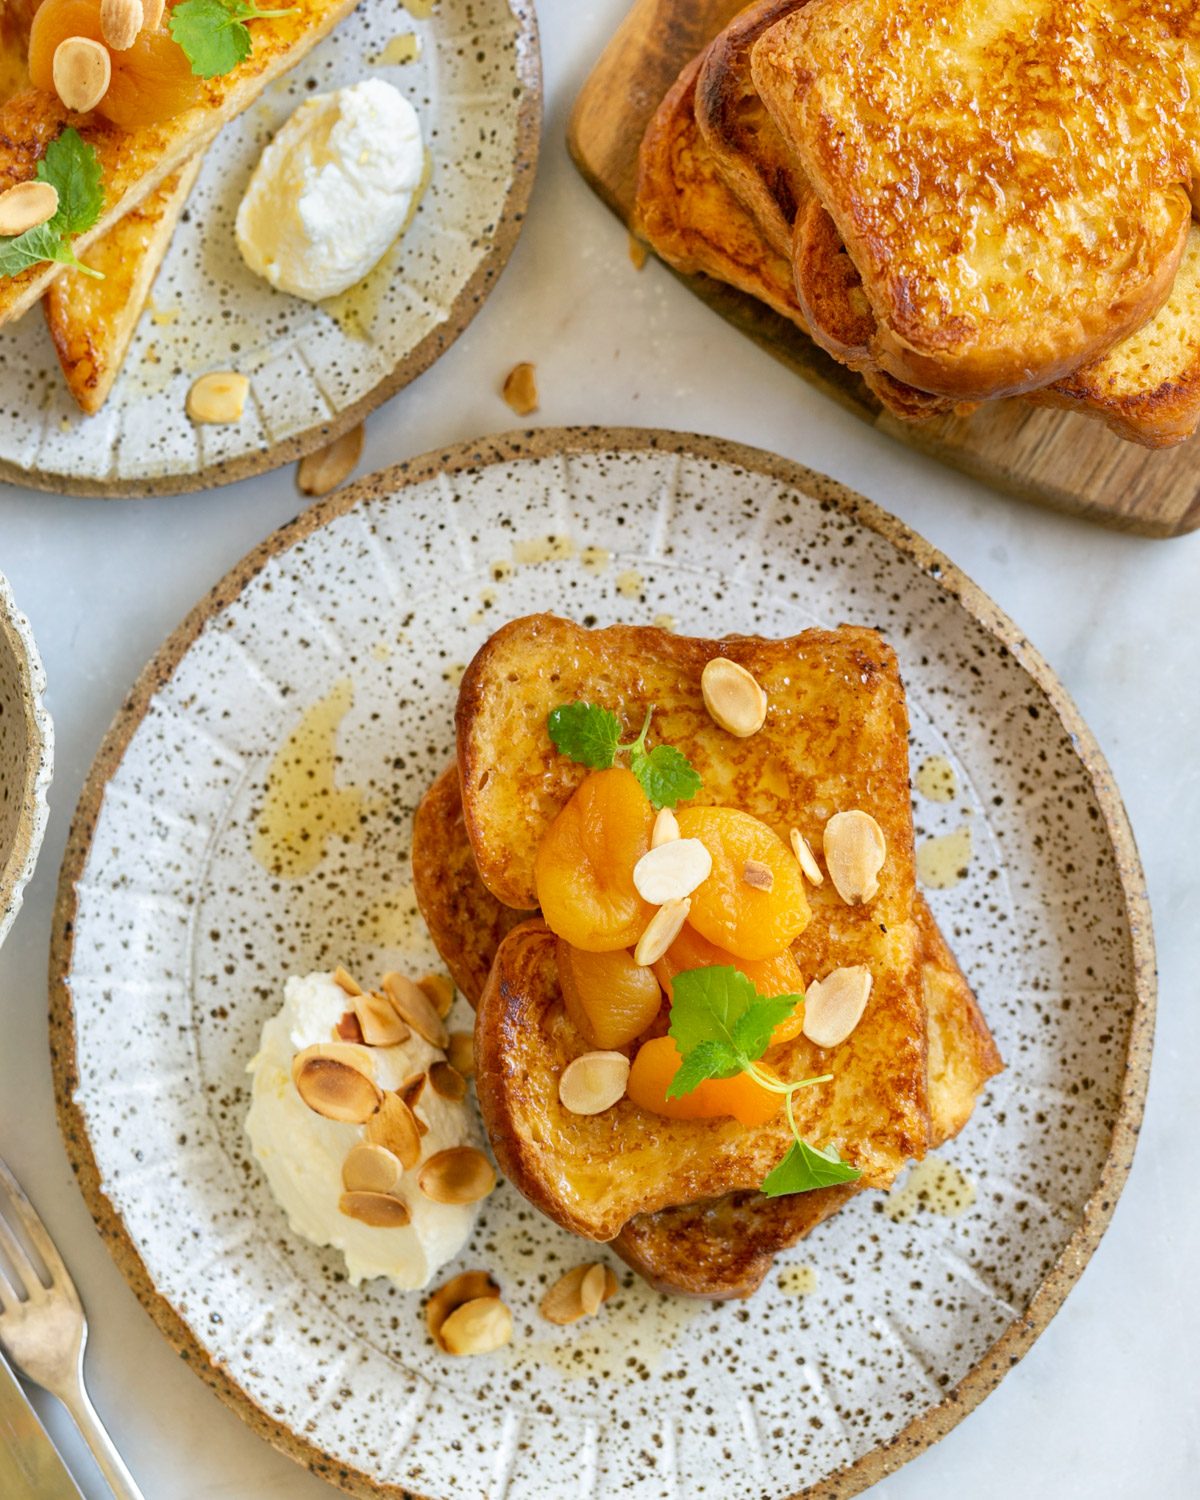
(172, 944)
(315, 371)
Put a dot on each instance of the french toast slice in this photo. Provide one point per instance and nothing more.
(835, 738)
(736, 127)
(134, 162)
(1011, 182)
(92, 322)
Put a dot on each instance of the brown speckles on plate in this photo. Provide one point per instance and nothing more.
(172, 942)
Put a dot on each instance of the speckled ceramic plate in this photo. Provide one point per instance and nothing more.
(314, 371)
(172, 945)
(26, 756)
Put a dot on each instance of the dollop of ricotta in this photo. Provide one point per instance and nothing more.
(302, 1153)
(333, 190)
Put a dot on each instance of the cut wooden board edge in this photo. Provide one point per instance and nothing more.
(1059, 459)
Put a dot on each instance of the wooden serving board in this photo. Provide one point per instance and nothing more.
(1059, 459)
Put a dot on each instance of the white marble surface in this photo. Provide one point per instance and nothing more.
(1106, 1404)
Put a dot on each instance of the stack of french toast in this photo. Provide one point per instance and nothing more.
(149, 133)
(530, 864)
(961, 202)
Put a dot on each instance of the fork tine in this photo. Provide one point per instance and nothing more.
(8, 1296)
(27, 1272)
(59, 1275)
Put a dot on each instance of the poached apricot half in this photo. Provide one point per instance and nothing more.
(610, 999)
(152, 81)
(584, 867)
(743, 919)
(656, 1065)
(769, 976)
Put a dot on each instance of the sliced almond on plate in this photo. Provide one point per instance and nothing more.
(376, 1209)
(661, 931)
(477, 1327)
(448, 1082)
(414, 1006)
(219, 397)
(370, 1169)
(578, 1293)
(672, 871)
(378, 1021)
(439, 992)
(336, 1080)
(346, 983)
(733, 697)
(855, 850)
(666, 828)
(82, 72)
(460, 1051)
(26, 205)
(806, 859)
(467, 1286)
(321, 472)
(459, 1175)
(520, 389)
(394, 1127)
(120, 22)
(594, 1082)
(834, 1006)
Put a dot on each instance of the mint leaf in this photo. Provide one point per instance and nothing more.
(213, 33)
(806, 1168)
(706, 1005)
(666, 775)
(585, 732)
(73, 169)
(752, 1033)
(707, 1060)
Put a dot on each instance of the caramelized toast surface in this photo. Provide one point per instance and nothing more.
(134, 162)
(1010, 180)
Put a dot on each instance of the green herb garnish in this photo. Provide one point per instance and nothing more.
(592, 736)
(214, 35)
(722, 1026)
(73, 169)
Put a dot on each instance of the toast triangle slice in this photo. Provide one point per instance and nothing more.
(835, 739)
(92, 322)
(135, 162)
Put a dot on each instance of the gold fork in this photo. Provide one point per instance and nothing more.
(43, 1328)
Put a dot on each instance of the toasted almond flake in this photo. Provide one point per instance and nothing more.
(379, 1210)
(855, 850)
(394, 1127)
(120, 22)
(381, 1026)
(578, 1293)
(346, 983)
(805, 858)
(757, 875)
(460, 1050)
(321, 472)
(448, 1082)
(672, 871)
(439, 992)
(153, 13)
(592, 1289)
(370, 1169)
(834, 1006)
(219, 397)
(414, 1006)
(26, 205)
(467, 1286)
(82, 72)
(348, 1029)
(458, 1175)
(520, 389)
(412, 1088)
(594, 1082)
(666, 828)
(733, 697)
(661, 931)
(335, 1080)
(477, 1327)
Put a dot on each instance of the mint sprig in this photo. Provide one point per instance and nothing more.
(721, 1026)
(72, 168)
(214, 35)
(591, 735)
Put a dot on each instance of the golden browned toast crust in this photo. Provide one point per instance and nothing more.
(134, 162)
(465, 921)
(719, 1248)
(92, 322)
(1011, 181)
(689, 215)
(745, 144)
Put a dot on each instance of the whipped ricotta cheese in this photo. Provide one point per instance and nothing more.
(333, 190)
(302, 1153)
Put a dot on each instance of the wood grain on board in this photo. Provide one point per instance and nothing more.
(1059, 459)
